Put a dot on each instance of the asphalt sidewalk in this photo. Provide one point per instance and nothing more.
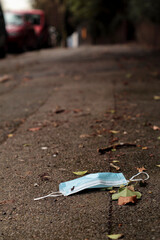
(53, 121)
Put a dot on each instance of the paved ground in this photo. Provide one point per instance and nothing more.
(74, 98)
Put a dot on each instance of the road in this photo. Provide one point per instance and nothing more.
(57, 107)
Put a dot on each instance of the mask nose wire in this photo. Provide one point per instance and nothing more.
(132, 179)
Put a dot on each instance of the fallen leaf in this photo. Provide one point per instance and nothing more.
(45, 177)
(6, 202)
(55, 124)
(115, 161)
(26, 145)
(131, 187)
(98, 121)
(115, 236)
(81, 146)
(121, 188)
(113, 150)
(59, 110)
(112, 191)
(156, 128)
(144, 148)
(114, 131)
(125, 200)
(34, 129)
(158, 138)
(156, 97)
(10, 135)
(141, 169)
(158, 165)
(5, 78)
(129, 75)
(152, 155)
(100, 131)
(115, 140)
(77, 110)
(84, 136)
(112, 111)
(80, 173)
(125, 192)
(114, 166)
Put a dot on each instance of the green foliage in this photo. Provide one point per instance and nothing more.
(125, 192)
(144, 9)
(100, 16)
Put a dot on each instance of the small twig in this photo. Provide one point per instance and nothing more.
(116, 146)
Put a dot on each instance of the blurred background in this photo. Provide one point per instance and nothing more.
(73, 23)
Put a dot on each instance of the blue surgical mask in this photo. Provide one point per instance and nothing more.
(90, 181)
(94, 180)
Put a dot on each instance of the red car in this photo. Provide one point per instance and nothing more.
(38, 19)
(21, 34)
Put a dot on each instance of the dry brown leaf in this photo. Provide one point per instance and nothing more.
(59, 110)
(45, 177)
(115, 140)
(55, 124)
(113, 131)
(125, 200)
(81, 146)
(35, 129)
(141, 169)
(156, 97)
(10, 135)
(144, 148)
(5, 78)
(155, 128)
(84, 136)
(131, 188)
(77, 110)
(6, 202)
(112, 191)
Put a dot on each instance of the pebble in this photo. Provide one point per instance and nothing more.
(44, 148)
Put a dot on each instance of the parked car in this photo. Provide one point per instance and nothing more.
(38, 19)
(3, 35)
(21, 34)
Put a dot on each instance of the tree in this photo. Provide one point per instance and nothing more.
(100, 16)
(144, 9)
(56, 12)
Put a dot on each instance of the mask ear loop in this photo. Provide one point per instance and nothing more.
(132, 179)
(53, 194)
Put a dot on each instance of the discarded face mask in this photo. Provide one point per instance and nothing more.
(90, 181)
(94, 180)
